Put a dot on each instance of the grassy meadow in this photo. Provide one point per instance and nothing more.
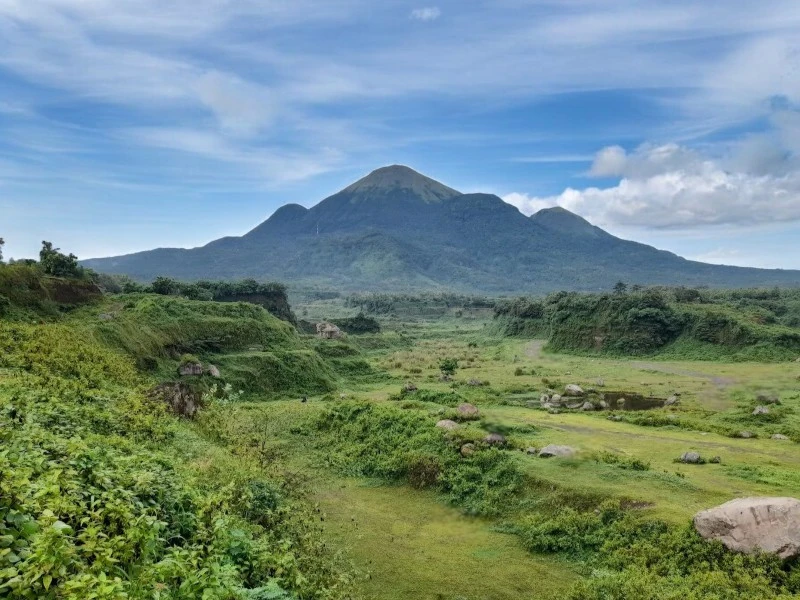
(313, 469)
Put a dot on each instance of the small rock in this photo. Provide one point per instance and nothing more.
(746, 435)
(760, 410)
(573, 390)
(557, 451)
(691, 458)
(780, 436)
(768, 398)
(715, 460)
(574, 405)
(672, 400)
(105, 317)
(475, 382)
(600, 383)
(603, 404)
(548, 406)
(614, 418)
(495, 439)
(621, 401)
(213, 370)
(466, 409)
(467, 450)
(447, 424)
(409, 387)
(530, 451)
(544, 398)
(587, 406)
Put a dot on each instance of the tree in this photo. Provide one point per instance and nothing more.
(620, 287)
(57, 264)
(164, 286)
(2, 243)
(448, 366)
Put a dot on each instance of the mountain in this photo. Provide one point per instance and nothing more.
(397, 229)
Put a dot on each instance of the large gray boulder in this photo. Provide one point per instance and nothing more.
(749, 524)
(691, 458)
(465, 409)
(573, 390)
(495, 439)
(447, 425)
(556, 450)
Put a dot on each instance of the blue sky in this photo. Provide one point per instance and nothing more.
(132, 124)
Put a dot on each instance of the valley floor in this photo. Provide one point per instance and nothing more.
(407, 543)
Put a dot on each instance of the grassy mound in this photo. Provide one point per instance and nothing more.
(25, 291)
(734, 325)
(97, 501)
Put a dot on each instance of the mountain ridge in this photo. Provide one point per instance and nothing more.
(396, 229)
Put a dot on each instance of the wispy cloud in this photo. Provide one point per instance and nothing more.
(429, 13)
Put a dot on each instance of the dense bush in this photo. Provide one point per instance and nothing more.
(681, 322)
(403, 445)
(358, 325)
(95, 503)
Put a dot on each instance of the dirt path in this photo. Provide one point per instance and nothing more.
(533, 349)
(721, 382)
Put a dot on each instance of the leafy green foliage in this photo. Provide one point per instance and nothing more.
(57, 264)
(95, 502)
(448, 366)
(403, 445)
(359, 324)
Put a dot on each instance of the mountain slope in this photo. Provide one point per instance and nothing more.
(396, 229)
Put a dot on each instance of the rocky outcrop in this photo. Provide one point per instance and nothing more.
(750, 524)
(190, 369)
(181, 399)
(554, 450)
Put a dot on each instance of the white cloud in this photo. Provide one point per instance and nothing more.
(429, 13)
(673, 187)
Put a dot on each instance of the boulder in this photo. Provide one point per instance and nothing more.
(555, 398)
(466, 409)
(557, 451)
(768, 398)
(181, 399)
(780, 436)
(475, 382)
(691, 458)
(760, 410)
(213, 370)
(409, 387)
(621, 402)
(190, 369)
(530, 451)
(603, 404)
(544, 398)
(771, 525)
(447, 424)
(495, 439)
(573, 390)
(587, 406)
(467, 450)
(746, 435)
(672, 400)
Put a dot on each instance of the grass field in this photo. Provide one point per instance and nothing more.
(408, 543)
